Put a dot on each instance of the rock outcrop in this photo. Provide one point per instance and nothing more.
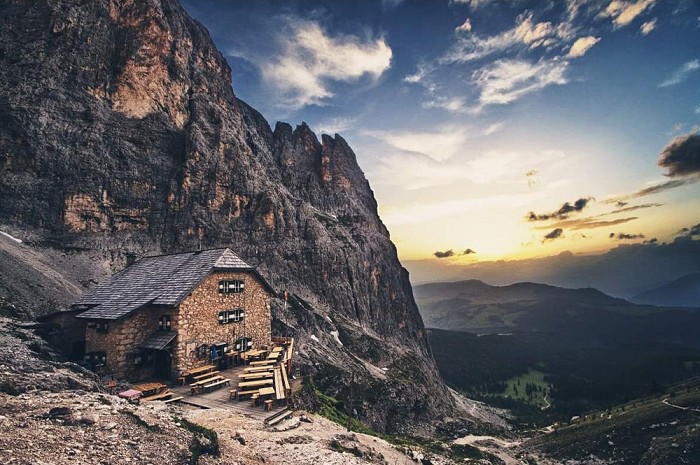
(120, 131)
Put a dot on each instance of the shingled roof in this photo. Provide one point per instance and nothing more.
(159, 280)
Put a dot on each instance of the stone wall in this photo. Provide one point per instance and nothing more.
(198, 318)
(124, 339)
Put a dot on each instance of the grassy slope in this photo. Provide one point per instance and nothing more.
(645, 431)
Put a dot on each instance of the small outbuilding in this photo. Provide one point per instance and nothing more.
(166, 314)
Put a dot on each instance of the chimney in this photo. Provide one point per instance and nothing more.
(130, 259)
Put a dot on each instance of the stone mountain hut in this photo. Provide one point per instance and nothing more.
(165, 314)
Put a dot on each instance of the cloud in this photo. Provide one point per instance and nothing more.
(655, 189)
(651, 241)
(531, 177)
(625, 236)
(681, 74)
(588, 223)
(554, 234)
(493, 128)
(647, 27)
(624, 12)
(504, 81)
(439, 145)
(466, 26)
(525, 33)
(689, 232)
(632, 208)
(681, 156)
(335, 125)
(445, 254)
(582, 45)
(563, 213)
(468, 252)
(310, 60)
(474, 4)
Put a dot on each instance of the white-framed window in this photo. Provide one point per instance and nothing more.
(231, 316)
(164, 323)
(231, 286)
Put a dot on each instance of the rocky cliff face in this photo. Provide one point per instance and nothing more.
(119, 131)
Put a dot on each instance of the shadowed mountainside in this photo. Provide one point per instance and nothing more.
(683, 292)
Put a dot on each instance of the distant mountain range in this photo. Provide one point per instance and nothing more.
(582, 316)
(625, 271)
(683, 292)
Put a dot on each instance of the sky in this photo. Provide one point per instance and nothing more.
(490, 129)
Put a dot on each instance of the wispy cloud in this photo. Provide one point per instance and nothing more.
(681, 74)
(624, 12)
(309, 60)
(633, 208)
(592, 222)
(439, 145)
(526, 33)
(507, 80)
(335, 125)
(582, 45)
(653, 189)
(647, 27)
(493, 128)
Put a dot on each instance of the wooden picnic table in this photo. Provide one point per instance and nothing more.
(261, 382)
(205, 375)
(259, 369)
(199, 370)
(149, 388)
(266, 391)
(207, 380)
(260, 374)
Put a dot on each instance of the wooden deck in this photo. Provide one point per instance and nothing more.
(220, 397)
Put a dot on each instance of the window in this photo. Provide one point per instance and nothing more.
(231, 316)
(102, 327)
(231, 286)
(96, 358)
(164, 323)
(243, 344)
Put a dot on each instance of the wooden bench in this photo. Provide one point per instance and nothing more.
(262, 363)
(162, 395)
(197, 386)
(173, 399)
(260, 369)
(246, 393)
(216, 384)
(258, 375)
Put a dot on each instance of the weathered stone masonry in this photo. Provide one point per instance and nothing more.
(198, 314)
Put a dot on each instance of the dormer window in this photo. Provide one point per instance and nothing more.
(231, 316)
(164, 323)
(231, 286)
